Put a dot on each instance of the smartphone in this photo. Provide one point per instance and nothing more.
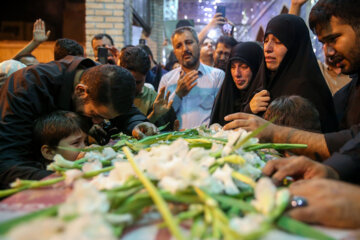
(221, 9)
(103, 55)
(228, 29)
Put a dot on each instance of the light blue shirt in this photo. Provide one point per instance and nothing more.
(194, 109)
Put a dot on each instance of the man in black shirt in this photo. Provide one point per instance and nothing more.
(73, 84)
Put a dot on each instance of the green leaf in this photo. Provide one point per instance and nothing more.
(163, 126)
(298, 228)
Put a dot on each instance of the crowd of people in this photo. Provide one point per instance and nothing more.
(236, 84)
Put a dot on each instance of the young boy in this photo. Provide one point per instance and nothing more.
(60, 129)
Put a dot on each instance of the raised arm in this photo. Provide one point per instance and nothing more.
(39, 36)
(295, 6)
(215, 21)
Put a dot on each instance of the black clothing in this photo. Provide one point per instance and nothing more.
(230, 99)
(346, 102)
(347, 161)
(298, 73)
(26, 95)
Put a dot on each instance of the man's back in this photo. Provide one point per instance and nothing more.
(25, 96)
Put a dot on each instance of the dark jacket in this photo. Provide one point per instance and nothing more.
(29, 93)
(346, 102)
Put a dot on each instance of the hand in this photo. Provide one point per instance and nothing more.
(330, 203)
(39, 35)
(115, 54)
(298, 2)
(260, 102)
(298, 168)
(249, 122)
(217, 19)
(144, 129)
(162, 105)
(186, 83)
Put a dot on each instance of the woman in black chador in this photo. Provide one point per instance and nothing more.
(290, 68)
(244, 62)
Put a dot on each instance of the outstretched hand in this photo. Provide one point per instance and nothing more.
(162, 105)
(39, 34)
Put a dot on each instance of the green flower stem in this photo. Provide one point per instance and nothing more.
(198, 228)
(293, 226)
(277, 146)
(32, 184)
(227, 201)
(159, 201)
(97, 172)
(8, 225)
(117, 198)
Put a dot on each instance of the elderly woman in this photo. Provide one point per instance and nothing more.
(244, 62)
(291, 68)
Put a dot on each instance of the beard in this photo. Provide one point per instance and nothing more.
(221, 64)
(193, 62)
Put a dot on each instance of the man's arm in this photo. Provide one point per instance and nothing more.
(317, 147)
(39, 36)
(215, 21)
(127, 122)
(295, 6)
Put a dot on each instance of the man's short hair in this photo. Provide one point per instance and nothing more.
(229, 42)
(65, 46)
(294, 111)
(183, 29)
(110, 85)
(135, 59)
(348, 11)
(100, 36)
(50, 129)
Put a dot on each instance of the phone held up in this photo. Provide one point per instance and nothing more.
(103, 55)
(221, 9)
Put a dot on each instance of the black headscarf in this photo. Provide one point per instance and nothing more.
(299, 72)
(230, 99)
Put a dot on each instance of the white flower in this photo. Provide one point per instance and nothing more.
(92, 166)
(38, 229)
(116, 177)
(62, 162)
(108, 153)
(224, 175)
(71, 175)
(248, 224)
(84, 198)
(265, 192)
(171, 184)
(88, 227)
(250, 171)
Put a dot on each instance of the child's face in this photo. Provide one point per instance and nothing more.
(76, 140)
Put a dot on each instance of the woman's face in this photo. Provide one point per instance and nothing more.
(274, 52)
(241, 74)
